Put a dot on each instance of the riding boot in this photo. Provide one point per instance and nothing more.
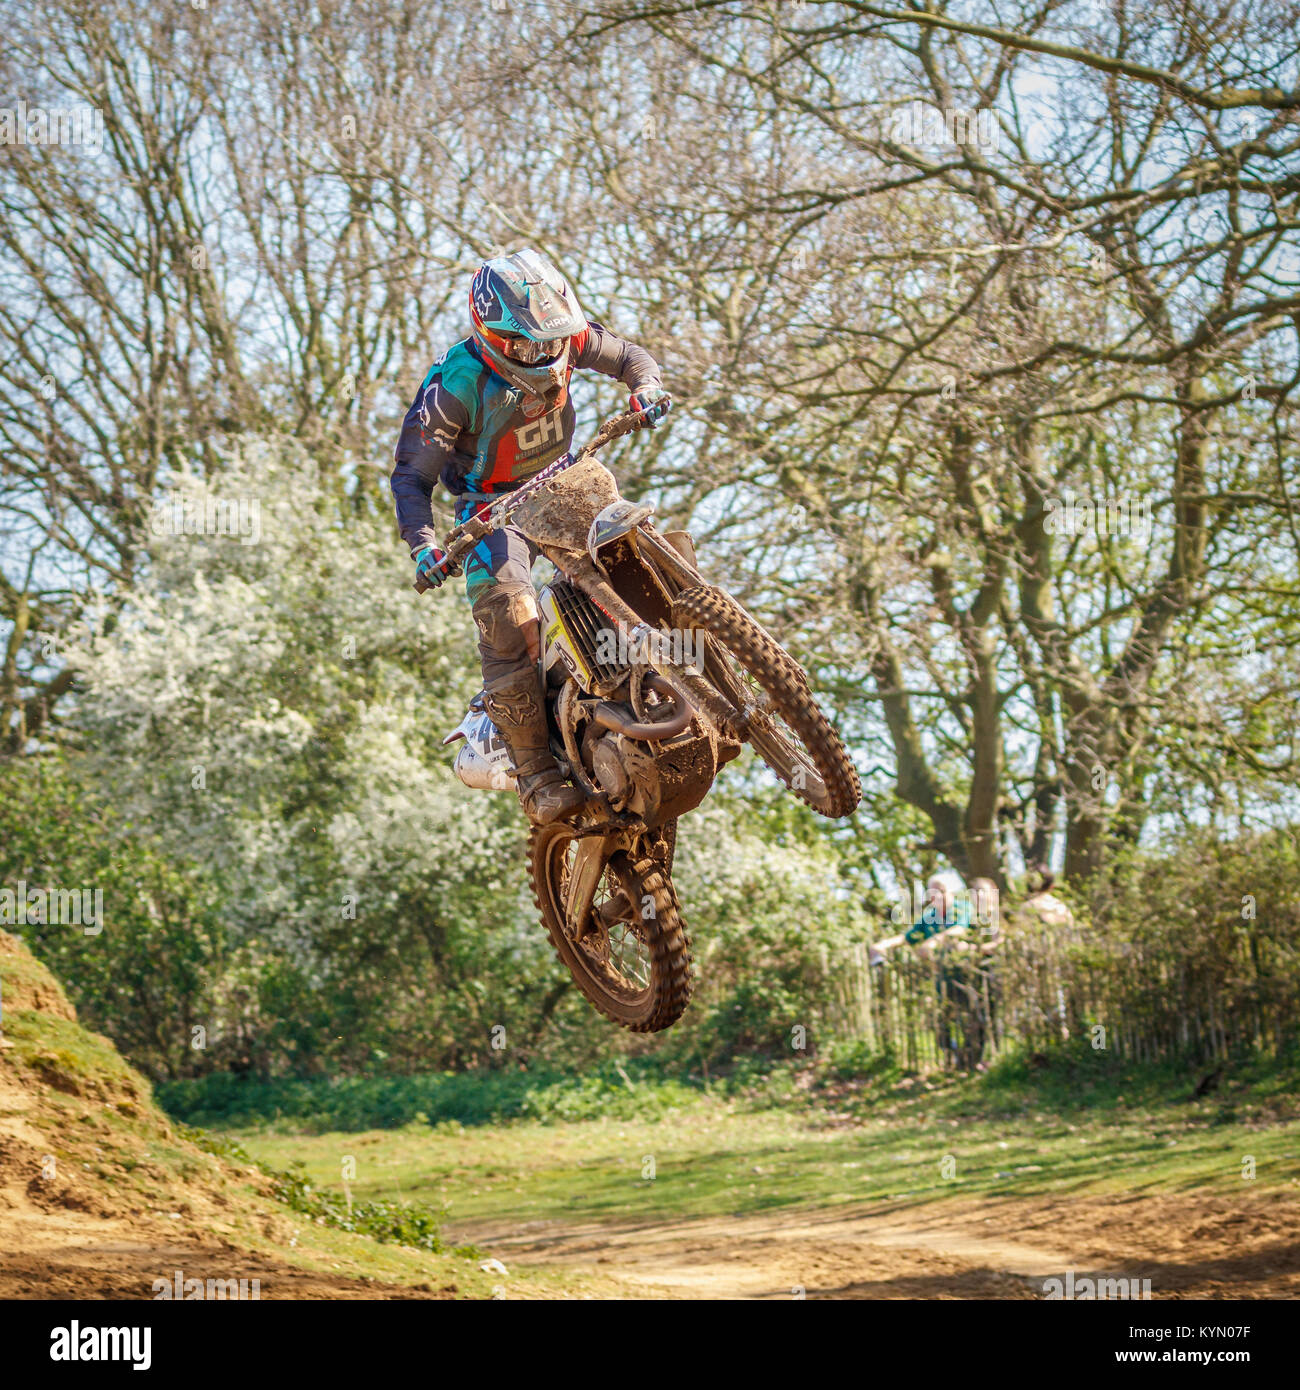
(516, 709)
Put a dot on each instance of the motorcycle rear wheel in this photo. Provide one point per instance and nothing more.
(616, 927)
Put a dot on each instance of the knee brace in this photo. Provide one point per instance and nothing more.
(507, 619)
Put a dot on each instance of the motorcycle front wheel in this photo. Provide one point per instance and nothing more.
(783, 723)
(616, 926)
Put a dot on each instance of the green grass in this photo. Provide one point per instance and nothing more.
(1016, 1133)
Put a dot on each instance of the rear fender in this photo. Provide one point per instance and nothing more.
(483, 761)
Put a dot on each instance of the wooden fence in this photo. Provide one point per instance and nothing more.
(1195, 998)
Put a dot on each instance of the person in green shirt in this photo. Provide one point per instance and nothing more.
(942, 915)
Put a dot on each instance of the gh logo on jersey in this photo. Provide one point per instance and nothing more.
(548, 430)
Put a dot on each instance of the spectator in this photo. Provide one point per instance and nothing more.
(1042, 903)
(969, 980)
(940, 914)
(942, 935)
(1045, 922)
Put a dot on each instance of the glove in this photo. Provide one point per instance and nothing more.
(429, 564)
(654, 401)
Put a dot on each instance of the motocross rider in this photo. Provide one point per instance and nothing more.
(493, 410)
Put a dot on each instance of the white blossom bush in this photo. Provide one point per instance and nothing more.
(274, 711)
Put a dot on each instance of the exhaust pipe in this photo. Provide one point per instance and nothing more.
(609, 716)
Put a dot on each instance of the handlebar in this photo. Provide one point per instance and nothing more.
(463, 538)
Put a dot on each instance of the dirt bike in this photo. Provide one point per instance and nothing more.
(654, 679)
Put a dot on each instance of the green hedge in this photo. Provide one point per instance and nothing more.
(223, 1100)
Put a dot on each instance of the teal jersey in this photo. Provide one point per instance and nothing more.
(475, 432)
(931, 924)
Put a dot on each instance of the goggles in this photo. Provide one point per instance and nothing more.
(526, 351)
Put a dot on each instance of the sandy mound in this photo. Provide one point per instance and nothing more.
(28, 985)
(100, 1195)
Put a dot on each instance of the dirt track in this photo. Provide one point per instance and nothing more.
(70, 1238)
(1189, 1246)
(72, 1244)
(98, 1264)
